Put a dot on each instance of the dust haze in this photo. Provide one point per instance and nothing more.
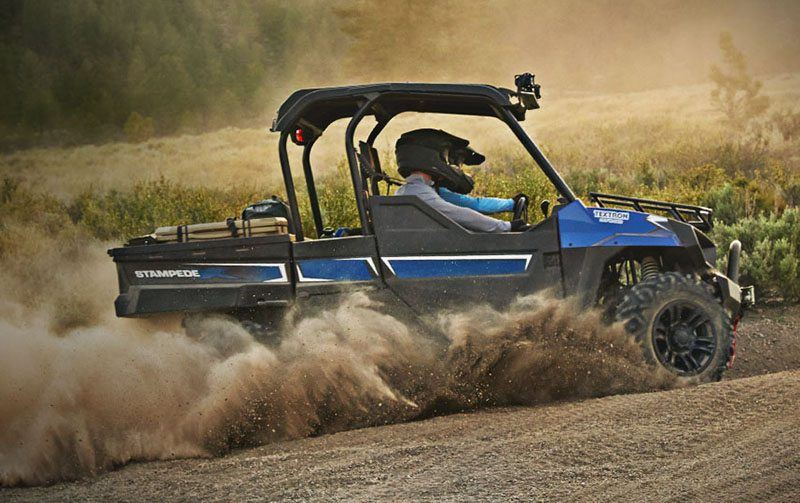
(83, 394)
(603, 46)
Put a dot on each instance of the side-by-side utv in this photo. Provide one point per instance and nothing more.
(648, 264)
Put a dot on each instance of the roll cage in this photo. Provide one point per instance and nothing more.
(307, 113)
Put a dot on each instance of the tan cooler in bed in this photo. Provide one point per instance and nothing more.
(220, 230)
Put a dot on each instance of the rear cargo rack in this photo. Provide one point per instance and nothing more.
(698, 216)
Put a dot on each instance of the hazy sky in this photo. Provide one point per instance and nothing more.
(571, 44)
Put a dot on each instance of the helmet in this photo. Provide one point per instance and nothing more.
(438, 154)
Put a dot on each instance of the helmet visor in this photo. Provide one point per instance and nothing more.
(464, 156)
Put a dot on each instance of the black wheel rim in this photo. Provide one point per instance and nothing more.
(684, 338)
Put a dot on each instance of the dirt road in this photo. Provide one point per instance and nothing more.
(737, 439)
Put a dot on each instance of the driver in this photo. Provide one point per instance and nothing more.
(430, 161)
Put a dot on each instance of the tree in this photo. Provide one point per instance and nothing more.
(737, 94)
(101, 68)
(138, 128)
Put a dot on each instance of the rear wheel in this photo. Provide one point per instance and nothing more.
(679, 324)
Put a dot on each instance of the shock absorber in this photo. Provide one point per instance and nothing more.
(650, 267)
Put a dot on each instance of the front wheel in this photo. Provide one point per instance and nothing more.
(679, 324)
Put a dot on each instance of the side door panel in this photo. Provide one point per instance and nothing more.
(431, 262)
(335, 265)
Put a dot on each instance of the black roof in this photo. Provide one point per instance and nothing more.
(320, 107)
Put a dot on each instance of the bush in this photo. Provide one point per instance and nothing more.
(759, 211)
(24, 211)
(787, 122)
(116, 214)
(771, 257)
(138, 129)
(8, 190)
(519, 174)
(336, 200)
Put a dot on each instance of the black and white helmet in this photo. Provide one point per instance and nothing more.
(438, 154)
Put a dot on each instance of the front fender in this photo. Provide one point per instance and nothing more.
(591, 237)
(582, 227)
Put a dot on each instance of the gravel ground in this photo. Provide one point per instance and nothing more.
(733, 440)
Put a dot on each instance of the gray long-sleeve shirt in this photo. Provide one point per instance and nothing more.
(416, 185)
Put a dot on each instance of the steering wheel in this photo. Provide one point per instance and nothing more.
(521, 207)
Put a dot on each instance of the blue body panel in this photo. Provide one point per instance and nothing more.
(582, 227)
(239, 273)
(216, 273)
(452, 267)
(355, 269)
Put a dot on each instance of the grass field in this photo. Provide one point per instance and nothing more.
(669, 128)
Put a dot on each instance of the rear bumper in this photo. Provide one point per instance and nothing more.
(730, 294)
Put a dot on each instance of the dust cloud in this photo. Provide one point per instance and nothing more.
(85, 397)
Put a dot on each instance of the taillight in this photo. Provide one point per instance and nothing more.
(299, 136)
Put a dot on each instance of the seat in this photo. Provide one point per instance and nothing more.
(371, 172)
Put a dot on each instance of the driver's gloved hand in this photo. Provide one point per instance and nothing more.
(519, 225)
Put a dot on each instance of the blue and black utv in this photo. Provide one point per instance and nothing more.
(647, 264)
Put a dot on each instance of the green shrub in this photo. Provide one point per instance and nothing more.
(117, 214)
(771, 251)
(337, 200)
(727, 203)
(759, 211)
(8, 189)
(787, 122)
(22, 208)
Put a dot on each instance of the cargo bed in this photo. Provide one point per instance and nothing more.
(218, 274)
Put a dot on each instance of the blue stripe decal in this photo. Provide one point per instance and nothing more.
(451, 267)
(356, 269)
(242, 273)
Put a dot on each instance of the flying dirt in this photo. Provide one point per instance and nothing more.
(81, 402)
(656, 446)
